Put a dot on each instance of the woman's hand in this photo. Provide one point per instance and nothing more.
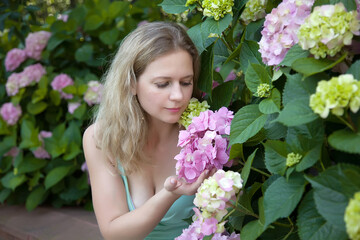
(179, 187)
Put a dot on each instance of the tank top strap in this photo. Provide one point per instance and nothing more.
(127, 191)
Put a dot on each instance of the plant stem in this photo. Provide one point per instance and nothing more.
(257, 170)
(346, 123)
(227, 215)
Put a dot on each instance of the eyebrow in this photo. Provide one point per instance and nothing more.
(169, 78)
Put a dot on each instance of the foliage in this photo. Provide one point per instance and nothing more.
(58, 101)
(300, 169)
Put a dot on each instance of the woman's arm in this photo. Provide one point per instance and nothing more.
(109, 198)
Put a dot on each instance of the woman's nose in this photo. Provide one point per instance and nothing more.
(176, 93)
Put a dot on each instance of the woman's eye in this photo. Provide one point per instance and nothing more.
(186, 83)
(162, 85)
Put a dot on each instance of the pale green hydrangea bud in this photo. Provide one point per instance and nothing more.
(193, 110)
(253, 11)
(190, 2)
(328, 29)
(217, 8)
(336, 95)
(263, 90)
(352, 217)
(292, 159)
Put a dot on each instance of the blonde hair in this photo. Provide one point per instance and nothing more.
(120, 122)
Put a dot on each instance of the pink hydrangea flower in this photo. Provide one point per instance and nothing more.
(13, 152)
(12, 84)
(73, 106)
(63, 17)
(10, 113)
(204, 145)
(41, 153)
(93, 93)
(280, 29)
(34, 72)
(35, 44)
(61, 81)
(14, 58)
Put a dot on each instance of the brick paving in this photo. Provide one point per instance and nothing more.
(46, 223)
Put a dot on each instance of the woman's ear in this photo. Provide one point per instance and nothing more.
(133, 89)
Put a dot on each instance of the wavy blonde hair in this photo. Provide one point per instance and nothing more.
(120, 122)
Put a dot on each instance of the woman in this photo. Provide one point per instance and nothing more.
(131, 145)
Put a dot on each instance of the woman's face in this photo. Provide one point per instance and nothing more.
(165, 87)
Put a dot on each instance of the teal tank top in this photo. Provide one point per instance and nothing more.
(173, 223)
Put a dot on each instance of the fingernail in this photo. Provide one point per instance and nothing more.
(206, 171)
(172, 181)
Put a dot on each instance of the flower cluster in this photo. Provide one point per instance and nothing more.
(211, 198)
(292, 159)
(61, 81)
(328, 29)
(336, 95)
(352, 217)
(190, 2)
(193, 110)
(280, 29)
(35, 44)
(30, 74)
(253, 11)
(93, 93)
(202, 143)
(217, 8)
(40, 152)
(14, 58)
(10, 113)
(263, 90)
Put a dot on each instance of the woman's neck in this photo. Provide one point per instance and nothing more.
(160, 134)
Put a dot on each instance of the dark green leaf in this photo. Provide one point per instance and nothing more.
(56, 175)
(221, 95)
(13, 181)
(35, 198)
(206, 74)
(255, 75)
(84, 53)
(345, 140)
(247, 122)
(275, 156)
(36, 108)
(210, 25)
(31, 164)
(272, 104)
(282, 197)
(93, 22)
(355, 70)
(109, 37)
(4, 194)
(173, 6)
(245, 172)
(249, 53)
(350, 5)
(252, 230)
(118, 9)
(297, 112)
(293, 54)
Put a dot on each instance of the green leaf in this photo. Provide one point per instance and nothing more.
(35, 198)
(310, 158)
(210, 25)
(221, 95)
(236, 150)
(173, 6)
(255, 75)
(109, 37)
(84, 53)
(312, 226)
(249, 53)
(311, 66)
(275, 156)
(282, 197)
(93, 23)
(12, 181)
(206, 74)
(297, 112)
(31, 164)
(274, 130)
(80, 111)
(29, 135)
(247, 122)
(333, 189)
(72, 151)
(245, 172)
(56, 175)
(293, 54)
(38, 95)
(197, 38)
(36, 108)
(253, 30)
(345, 140)
(272, 104)
(4, 194)
(55, 97)
(55, 40)
(295, 88)
(118, 9)
(355, 70)
(350, 5)
(252, 230)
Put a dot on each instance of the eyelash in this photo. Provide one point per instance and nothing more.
(163, 85)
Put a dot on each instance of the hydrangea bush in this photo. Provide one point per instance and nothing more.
(295, 134)
(50, 82)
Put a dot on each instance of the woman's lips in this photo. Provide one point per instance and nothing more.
(173, 109)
